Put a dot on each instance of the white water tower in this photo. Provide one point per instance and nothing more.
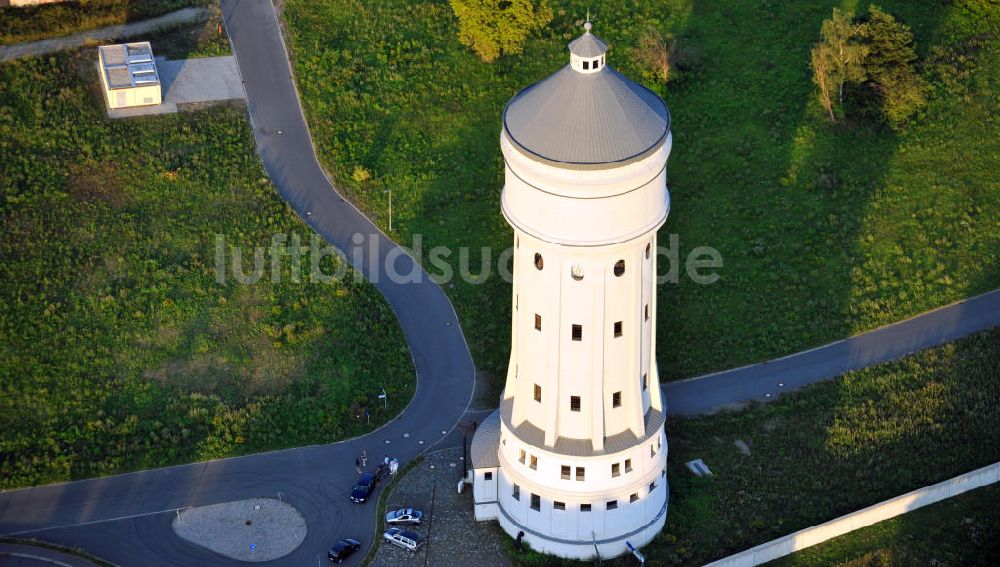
(575, 457)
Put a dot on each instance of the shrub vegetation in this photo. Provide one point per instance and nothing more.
(962, 530)
(51, 20)
(118, 347)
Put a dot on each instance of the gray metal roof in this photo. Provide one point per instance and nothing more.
(534, 436)
(586, 119)
(486, 443)
(587, 45)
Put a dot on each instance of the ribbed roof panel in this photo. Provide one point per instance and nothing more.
(586, 118)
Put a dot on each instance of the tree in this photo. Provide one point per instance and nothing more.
(838, 58)
(867, 64)
(654, 53)
(494, 27)
(890, 66)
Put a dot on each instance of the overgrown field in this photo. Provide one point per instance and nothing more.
(119, 348)
(825, 230)
(830, 449)
(959, 531)
(51, 20)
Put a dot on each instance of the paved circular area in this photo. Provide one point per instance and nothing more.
(257, 529)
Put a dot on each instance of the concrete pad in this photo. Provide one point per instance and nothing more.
(257, 529)
(190, 81)
(201, 79)
(148, 110)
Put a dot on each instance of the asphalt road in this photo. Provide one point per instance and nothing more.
(126, 518)
(767, 380)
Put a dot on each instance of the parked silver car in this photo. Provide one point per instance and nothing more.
(404, 538)
(403, 516)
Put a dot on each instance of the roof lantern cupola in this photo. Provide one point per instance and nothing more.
(587, 52)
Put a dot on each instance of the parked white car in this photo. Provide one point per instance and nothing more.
(404, 538)
(403, 516)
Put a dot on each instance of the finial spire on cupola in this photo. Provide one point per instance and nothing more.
(587, 52)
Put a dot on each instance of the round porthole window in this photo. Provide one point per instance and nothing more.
(619, 268)
(576, 272)
(539, 263)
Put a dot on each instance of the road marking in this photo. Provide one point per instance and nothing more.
(77, 525)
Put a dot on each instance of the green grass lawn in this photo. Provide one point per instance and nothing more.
(830, 449)
(52, 20)
(963, 530)
(825, 231)
(119, 349)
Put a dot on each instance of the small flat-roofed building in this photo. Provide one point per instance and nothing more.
(128, 75)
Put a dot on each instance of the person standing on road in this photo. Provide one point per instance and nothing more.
(364, 458)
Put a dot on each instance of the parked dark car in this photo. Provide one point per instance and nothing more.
(364, 488)
(343, 549)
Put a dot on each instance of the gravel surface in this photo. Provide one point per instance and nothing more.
(456, 538)
(257, 529)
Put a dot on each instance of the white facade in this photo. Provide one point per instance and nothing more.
(580, 449)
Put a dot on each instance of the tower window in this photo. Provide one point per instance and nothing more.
(633, 497)
(574, 403)
(577, 332)
(576, 272)
(612, 505)
(652, 451)
(515, 492)
(628, 465)
(652, 486)
(647, 250)
(487, 476)
(580, 473)
(616, 399)
(538, 393)
(584, 507)
(558, 505)
(539, 262)
(647, 312)
(618, 328)
(521, 458)
(565, 469)
(586, 65)
(534, 463)
(645, 382)
(619, 268)
(597, 64)
(538, 322)
(536, 502)
(616, 470)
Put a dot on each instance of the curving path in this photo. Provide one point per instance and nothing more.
(101, 35)
(767, 380)
(126, 518)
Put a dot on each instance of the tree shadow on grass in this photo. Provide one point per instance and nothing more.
(758, 175)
